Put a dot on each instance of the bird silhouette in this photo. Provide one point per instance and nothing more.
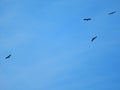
(8, 56)
(87, 19)
(93, 38)
(111, 13)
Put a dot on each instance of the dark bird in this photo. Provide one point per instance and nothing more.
(93, 38)
(87, 19)
(111, 13)
(8, 56)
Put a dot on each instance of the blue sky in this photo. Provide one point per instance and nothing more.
(51, 48)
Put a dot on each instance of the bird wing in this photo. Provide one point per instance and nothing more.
(111, 13)
(94, 38)
(8, 57)
(87, 19)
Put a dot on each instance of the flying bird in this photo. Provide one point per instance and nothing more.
(93, 38)
(8, 56)
(111, 13)
(87, 19)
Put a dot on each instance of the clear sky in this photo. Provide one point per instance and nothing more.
(51, 48)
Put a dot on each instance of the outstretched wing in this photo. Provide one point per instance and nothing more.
(93, 38)
(111, 12)
(8, 56)
(87, 19)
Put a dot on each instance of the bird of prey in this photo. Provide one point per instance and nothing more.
(111, 13)
(93, 38)
(8, 56)
(87, 19)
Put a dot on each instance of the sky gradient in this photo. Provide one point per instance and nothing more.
(51, 48)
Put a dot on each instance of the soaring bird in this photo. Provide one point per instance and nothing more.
(93, 38)
(87, 19)
(8, 56)
(111, 13)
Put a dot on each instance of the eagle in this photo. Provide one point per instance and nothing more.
(87, 19)
(8, 56)
(111, 13)
(93, 38)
